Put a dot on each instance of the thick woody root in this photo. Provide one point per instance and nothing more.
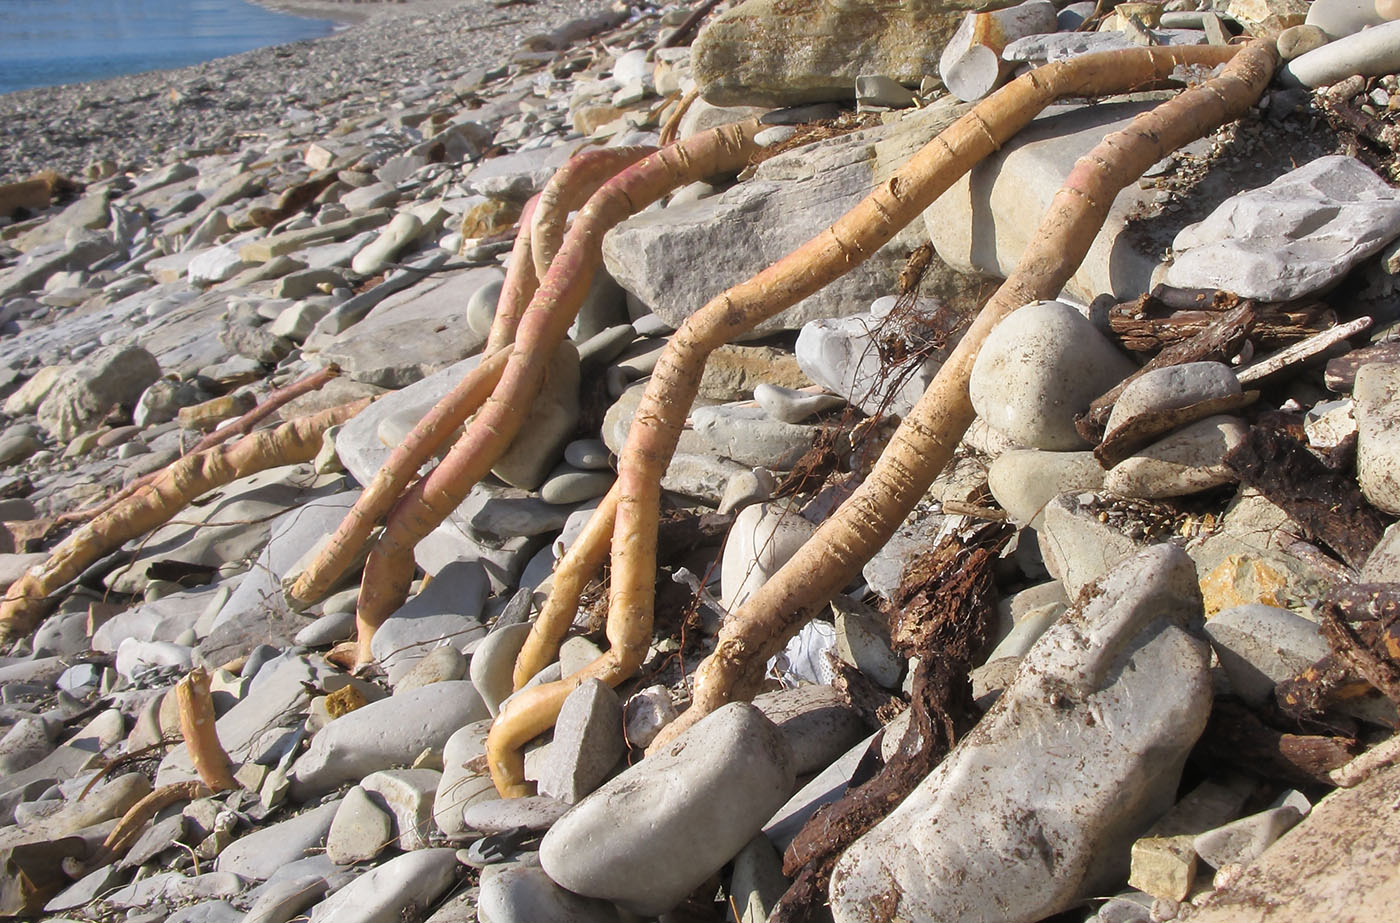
(240, 427)
(832, 253)
(196, 709)
(925, 440)
(541, 230)
(389, 568)
(125, 834)
(179, 483)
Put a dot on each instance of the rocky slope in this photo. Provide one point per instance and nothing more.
(1130, 657)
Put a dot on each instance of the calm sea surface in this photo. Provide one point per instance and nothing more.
(48, 42)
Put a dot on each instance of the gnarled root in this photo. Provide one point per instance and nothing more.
(133, 822)
(925, 440)
(197, 726)
(177, 484)
(870, 517)
(543, 327)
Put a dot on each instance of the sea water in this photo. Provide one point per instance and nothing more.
(51, 42)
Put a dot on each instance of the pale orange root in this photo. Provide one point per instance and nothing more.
(926, 439)
(853, 238)
(571, 186)
(389, 568)
(125, 834)
(177, 484)
(201, 738)
(305, 385)
(541, 228)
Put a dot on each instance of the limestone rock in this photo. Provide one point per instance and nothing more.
(84, 393)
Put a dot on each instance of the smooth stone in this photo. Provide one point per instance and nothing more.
(134, 656)
(1064, 45)
(1378, 435)
(1245, 840)
(1296, 41)
(504, 512)
(447, 611)
(1338, 18)
(380, 252)
(1185, 462)
(217, 264)
(360, 831)
(971, 65)
(1372, 52)
(817, 722)
(790, 406)
(261, 853)
(493, 663)
(652, 834)
(758, 881)
(588, 454)
(749, 436)
(383, 734)
(879, 90)
(328, 629)
(207, 912)
(286, 899)
(17, 447)
(1118, 694)
(1038, 369)
(386, 893)
(535, 813)
(1077, 548)
(1166, 392)
(27, 742)
(1023, 481)
(525, 894)
(588, 742)
(465, 780)
(548, 426)
(1260, 646)
(74, 755)
(441, 664)
(764, 536)
(1294, 236)
(863, 641)
(515, 177)
(408, 795)
(1382, 565)
(481, 306)
(566, 485)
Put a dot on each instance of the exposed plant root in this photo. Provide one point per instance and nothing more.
(571, 187)
(133, 822)
(520, 285)
(839, 552)
(926, 439)
(544, 325)
(293, 442)
(241, 427)
(201, 738)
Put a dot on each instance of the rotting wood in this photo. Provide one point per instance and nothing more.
(1340, 375)
(942, 615)
(133, 822)
(1217, 342)
(1236, 736)
(1151, 323)
(1327, 504)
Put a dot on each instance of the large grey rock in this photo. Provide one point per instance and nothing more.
(766, 53)
(647, 838)
(413, 333)
(1038, 369)
(384, 734)
(1293, 237)
(1024, 480)
(391, 892)
(1109, 702)
(1168, 396)
(1378, 435)
(408, 795)
(1371, 52)
(985, 220)
(262, 852)
(764, 536)
(664, 257)
(818, 724)
(1187, 461)
(360, 829)
(85, 392)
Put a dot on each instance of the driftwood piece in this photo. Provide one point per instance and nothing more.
(1341, 371)
(943, 614)
(1236, 735)
(1301, 352)
(1361, 625)
(1327, 504)
(1151, 323)
(1218, 342)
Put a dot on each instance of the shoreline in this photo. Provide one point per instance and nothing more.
(153, 117)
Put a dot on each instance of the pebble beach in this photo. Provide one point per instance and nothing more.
(321, 364)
